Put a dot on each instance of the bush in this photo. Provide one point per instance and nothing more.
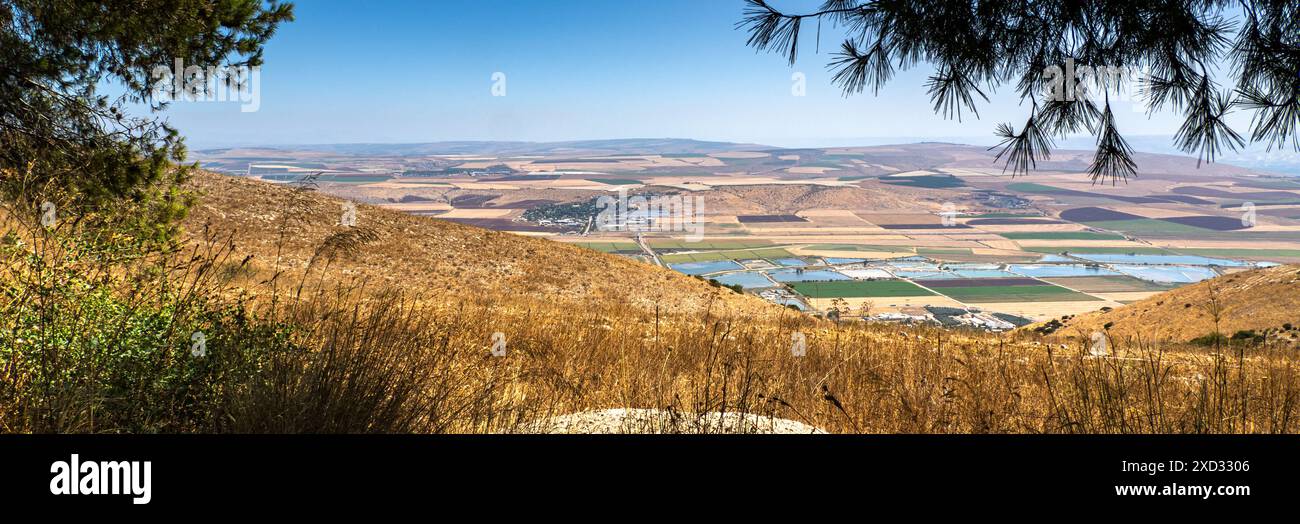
(1211, 339)
(1249, 335)
(103, 334)
(95, 339)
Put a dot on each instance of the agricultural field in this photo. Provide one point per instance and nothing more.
(1061, 235)
(704, 245)
(743, 254)
(993, 290)
(859, 289)
(925, 181)
(1108, 284)
(897, 227)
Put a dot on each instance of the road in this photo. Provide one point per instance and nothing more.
(645, 246)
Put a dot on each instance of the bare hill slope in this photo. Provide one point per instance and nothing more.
(1258, 300)
(435, 256)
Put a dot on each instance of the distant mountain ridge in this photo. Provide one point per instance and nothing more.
(644, 146)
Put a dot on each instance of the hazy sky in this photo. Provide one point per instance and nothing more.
(422, 70)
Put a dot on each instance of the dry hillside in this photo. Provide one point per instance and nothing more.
(576, 334)
(1258, 300)
(434, 257)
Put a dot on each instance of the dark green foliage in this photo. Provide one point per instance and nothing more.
(976, 46)
(94, 340)
(1016, 320)
(1249, 335)
(580, 211)
(65, 143)
(1212, 339)
(98, 308)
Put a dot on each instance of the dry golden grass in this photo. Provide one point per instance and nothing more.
(683, 347)
(280, 227)
(1258, 300)
(393, 324)
(887, 380)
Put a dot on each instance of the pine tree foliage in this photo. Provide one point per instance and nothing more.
(62, 140)
(1185, 47)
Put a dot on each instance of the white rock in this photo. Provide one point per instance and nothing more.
(656, 421)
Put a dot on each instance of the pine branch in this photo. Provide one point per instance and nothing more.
(1113, 160)
(1204, 131)
(978, 46)
(857, 70)
(1062, 117)
(773, 30)
(952, 90)
(1023, 150)
(1274, 122)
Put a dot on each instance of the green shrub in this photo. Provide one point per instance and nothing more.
(1211, 339)
(92, 342)
(1249, 335)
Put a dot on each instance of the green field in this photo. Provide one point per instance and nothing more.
(858, 289)
(609, 247)
(1146, 226)
(1062, 235)
(703, 245)
(742, 254)
(925, 181)
(1043, 293)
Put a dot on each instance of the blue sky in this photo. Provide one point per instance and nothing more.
(421, 71)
